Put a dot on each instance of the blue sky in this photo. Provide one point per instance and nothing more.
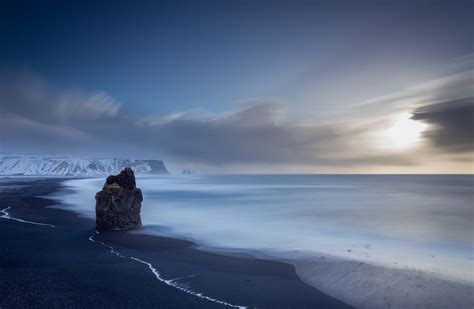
(163, 56)
(156, 58)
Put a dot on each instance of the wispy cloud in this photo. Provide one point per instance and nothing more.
(95, 105)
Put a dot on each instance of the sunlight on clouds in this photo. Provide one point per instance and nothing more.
(404, 133)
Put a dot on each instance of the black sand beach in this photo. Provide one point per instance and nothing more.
(60, 267)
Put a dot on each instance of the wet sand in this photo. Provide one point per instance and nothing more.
(69, 265)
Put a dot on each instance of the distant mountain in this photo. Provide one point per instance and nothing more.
(75, 166)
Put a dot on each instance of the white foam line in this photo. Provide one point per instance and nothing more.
(170, 282)
(6, 215)
(112, 250)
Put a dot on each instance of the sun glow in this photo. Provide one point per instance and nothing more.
(404, 133)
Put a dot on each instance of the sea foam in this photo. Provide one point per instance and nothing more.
(406, 228)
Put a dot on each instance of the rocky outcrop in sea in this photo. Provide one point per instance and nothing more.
(118, 204)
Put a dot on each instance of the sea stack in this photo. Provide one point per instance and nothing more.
(118, 204)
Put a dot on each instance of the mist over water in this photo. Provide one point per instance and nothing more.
(407, 221)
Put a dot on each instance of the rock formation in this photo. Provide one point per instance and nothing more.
(118, 204)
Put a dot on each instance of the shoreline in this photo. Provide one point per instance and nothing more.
(60, 266)
(364, 285)
(356, 283)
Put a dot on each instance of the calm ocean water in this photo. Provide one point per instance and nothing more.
(401, 221)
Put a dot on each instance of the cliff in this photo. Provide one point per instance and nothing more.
(75, 166)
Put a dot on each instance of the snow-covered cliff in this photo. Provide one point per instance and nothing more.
(75, 166)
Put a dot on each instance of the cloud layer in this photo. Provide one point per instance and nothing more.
(37, 117)
(452, 124)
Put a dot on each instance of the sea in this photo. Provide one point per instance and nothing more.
(351, 236)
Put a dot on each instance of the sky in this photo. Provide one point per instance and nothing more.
(242, 86)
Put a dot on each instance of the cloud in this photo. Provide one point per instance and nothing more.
(28, 95)
(95, 105)
(36, 116)
(261, 134)
(450, 86)
(252, 134)
(445, 103)
(452, 124)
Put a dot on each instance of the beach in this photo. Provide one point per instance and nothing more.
(54, 258)
(371, 241)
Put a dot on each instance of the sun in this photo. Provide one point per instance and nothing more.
(403, 133)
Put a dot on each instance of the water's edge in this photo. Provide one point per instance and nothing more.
(357, 283)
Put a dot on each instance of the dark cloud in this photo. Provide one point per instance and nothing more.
(452, 124)
(259, 134)
(253, 134)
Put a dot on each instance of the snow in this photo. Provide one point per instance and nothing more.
(71, 166)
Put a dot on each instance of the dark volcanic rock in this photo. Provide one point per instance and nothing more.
(118, 204)
(126, 179)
